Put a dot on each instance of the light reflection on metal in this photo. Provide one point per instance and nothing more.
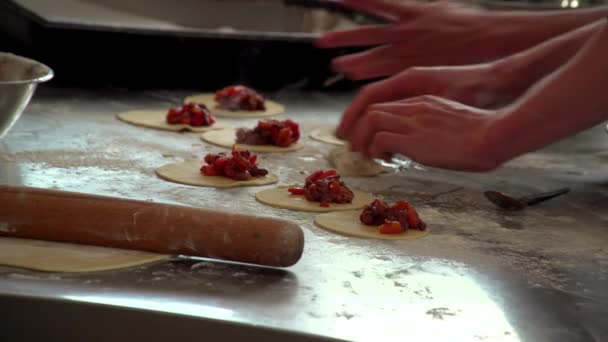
(400, 162)
(435, 302)
(569, 3)
(181, 308)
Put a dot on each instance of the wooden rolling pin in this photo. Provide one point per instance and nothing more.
(169, 229)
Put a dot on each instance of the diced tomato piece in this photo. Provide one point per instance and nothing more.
(240, 163)
(329, 174)
(192, 114)
(391, 227)
(413, 220)
(295, 129)
(401, 212)
(314, 176)
(324, 204)
(238, 167)
(284, 137)
(334, 187)
(296, 191)
(265, 124)
(210, 158)
(253, 159)
(222, 162)
(209, 170)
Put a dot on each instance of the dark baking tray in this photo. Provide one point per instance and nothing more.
(265, 51)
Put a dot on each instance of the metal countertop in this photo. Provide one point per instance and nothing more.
(481, 275)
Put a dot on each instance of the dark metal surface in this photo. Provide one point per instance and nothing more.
(505, 201)
(188, 43)
(481, 275)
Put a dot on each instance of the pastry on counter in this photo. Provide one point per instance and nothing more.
(327, 135)
(222, 170)
(377, 220)
(323, 191)
(267, 136)
(190, 117)
(237, 101)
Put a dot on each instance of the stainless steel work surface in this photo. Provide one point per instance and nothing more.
(480, 275)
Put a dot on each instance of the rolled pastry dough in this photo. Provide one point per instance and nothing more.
(188, 172)
(327, 135)
(348, 223)
(156, 119)
(353, 164)
(66, 257)
(272, 108)
(279, 197)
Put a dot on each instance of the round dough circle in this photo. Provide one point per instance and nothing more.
(272, 108)
(327, 135)
(280, 198)
(348, 223)
(188, 172)
(66, 257)
(157, 119)
(353, 164)
(227, 137)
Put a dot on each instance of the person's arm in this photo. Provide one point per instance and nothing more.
(514, 74)
(440, 33)
(440, 132)
(573, 98)
(484, 85)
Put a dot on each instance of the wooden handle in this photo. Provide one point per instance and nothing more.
(169, 229)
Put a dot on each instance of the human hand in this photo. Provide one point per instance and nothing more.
(488, 85)
(430, 130)
(473, 85)
(438, 33)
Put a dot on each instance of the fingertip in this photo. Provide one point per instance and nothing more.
(323, 41)
(342, 130)
(337, 65)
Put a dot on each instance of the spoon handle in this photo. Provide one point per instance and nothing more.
(537, 198)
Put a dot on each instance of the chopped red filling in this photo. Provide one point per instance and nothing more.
(238, 97)
(324, 187)
(393, 219)
(193, 114)
(270, 132)
(239, 165)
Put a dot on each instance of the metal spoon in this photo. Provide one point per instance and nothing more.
(505, 201)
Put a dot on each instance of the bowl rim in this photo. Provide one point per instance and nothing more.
(47, 76)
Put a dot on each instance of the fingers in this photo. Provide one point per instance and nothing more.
(377, 62)
(374, 122)
(383, 91)
(365, 36)
(375, 70)
(385, 144)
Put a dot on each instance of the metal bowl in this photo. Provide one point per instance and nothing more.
(19, 77)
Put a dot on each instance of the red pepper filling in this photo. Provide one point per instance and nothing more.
(393, 219)
(238, 97)
(324, 187)
(239, 165)
(192, 114)
(270, 132)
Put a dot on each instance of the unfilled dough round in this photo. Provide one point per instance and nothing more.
(279, 197)
(348, 223)
(157, 119)
(327, 135)
(353, 164)
(188, 172)
(272, 108)
(66, 257)
(227, 137)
